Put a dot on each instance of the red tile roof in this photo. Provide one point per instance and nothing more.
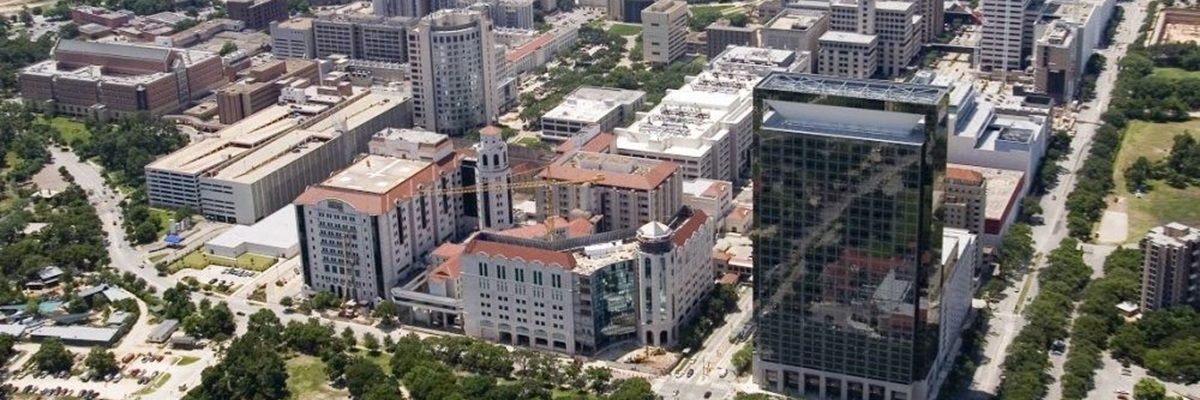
(529, 47)
(689, 227)
(528, 254)
(564, 169)
(964, 175)
(578, 227)
(601, 143)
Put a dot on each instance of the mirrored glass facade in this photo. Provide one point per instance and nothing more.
(847, 241)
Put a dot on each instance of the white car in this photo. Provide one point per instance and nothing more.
(724, 372)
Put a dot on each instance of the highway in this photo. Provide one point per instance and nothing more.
(1006, 318)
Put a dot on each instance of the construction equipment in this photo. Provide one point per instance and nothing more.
(551, 203)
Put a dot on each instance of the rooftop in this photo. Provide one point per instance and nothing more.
(277, 230)
(901, 6)
(706, 188)
(375, 174)
(139, 52)
(848, 37)
(300, 23)
(616, 170)
(1004, 188)
(666, 6)
(1173, 234)
(591, 103)
(854, 88)
(855, 123)
(799, 20)
(77, 333)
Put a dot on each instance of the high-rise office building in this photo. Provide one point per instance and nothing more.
(1171, 262)
(1003, 33)
(664, 31)
(857, 292)
(453, 67)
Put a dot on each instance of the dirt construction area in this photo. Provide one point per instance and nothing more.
(1174, 25)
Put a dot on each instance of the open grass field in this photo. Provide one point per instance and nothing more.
(1163, 203)
(307, 380)
(625, 30)
(198, 260)
(70, 130)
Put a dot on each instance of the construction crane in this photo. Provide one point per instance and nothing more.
(551, 203)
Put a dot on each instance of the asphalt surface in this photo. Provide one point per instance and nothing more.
(1007, 320)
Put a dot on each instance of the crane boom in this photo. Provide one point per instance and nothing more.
(510, 186)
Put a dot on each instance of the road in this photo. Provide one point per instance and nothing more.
(1006, 319)
(709, 361)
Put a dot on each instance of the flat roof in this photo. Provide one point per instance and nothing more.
(231, 142)
(844, 122)
(297, 23)
(1003, 186)
(277, 230)
(894, 5)
(793, 19)
(418, 136)
(14, 330)
(110, 49)
(591, 103)
(297, 143)
(375, 174)
(854, 88)
(847, 37)
(708, 188)
(77, 333)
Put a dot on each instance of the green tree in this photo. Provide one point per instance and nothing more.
(1137, 174)
(632, 389)
(311, 337)
(101, 361)
(265, 324)
(361, 374)
(598, 378)
(252, 369)
(371, 343)
(386, 311)
(1149, 389)
(7, 347)
(743, 359)
(431, 381)
(407, 353)
(348, 338)
(228, 47)
(53, 357)
(739, 19)
(286, 301)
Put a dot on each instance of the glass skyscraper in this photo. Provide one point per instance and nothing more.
(847, 240)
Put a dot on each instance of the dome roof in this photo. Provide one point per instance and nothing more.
(654, 230)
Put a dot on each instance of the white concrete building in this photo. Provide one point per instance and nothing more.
(454, 71)
(664, 31)
(293, 39)
(798, 31)
(848, 54)
(588, 106)
(261, 163)
(366, 228)
(1003, 32)
(983, 136)
(274, 236)
(581, 295)
(493, 172)
(705, 126)
(713, 197)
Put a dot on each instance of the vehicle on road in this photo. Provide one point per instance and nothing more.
(690, 372)
(707, 394)
(724, 372)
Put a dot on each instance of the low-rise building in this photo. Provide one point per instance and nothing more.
(260, 87)
(1003, 191)
(102, 80)
(582, 295)
(261, 163)
(539, 50)
(588, 106)
(965, 200)
(1170, 266)
(83, 15)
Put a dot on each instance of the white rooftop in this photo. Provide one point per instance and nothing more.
(590, 104)
(848, 37)
(375, 174)
(277, 230)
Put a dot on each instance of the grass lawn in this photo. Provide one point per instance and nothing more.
(307, 380)
(1176, 73)
(164, 219)
(198, 260)
(154, 385)
(1163, 203)
(625, 30)
(70, 130)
